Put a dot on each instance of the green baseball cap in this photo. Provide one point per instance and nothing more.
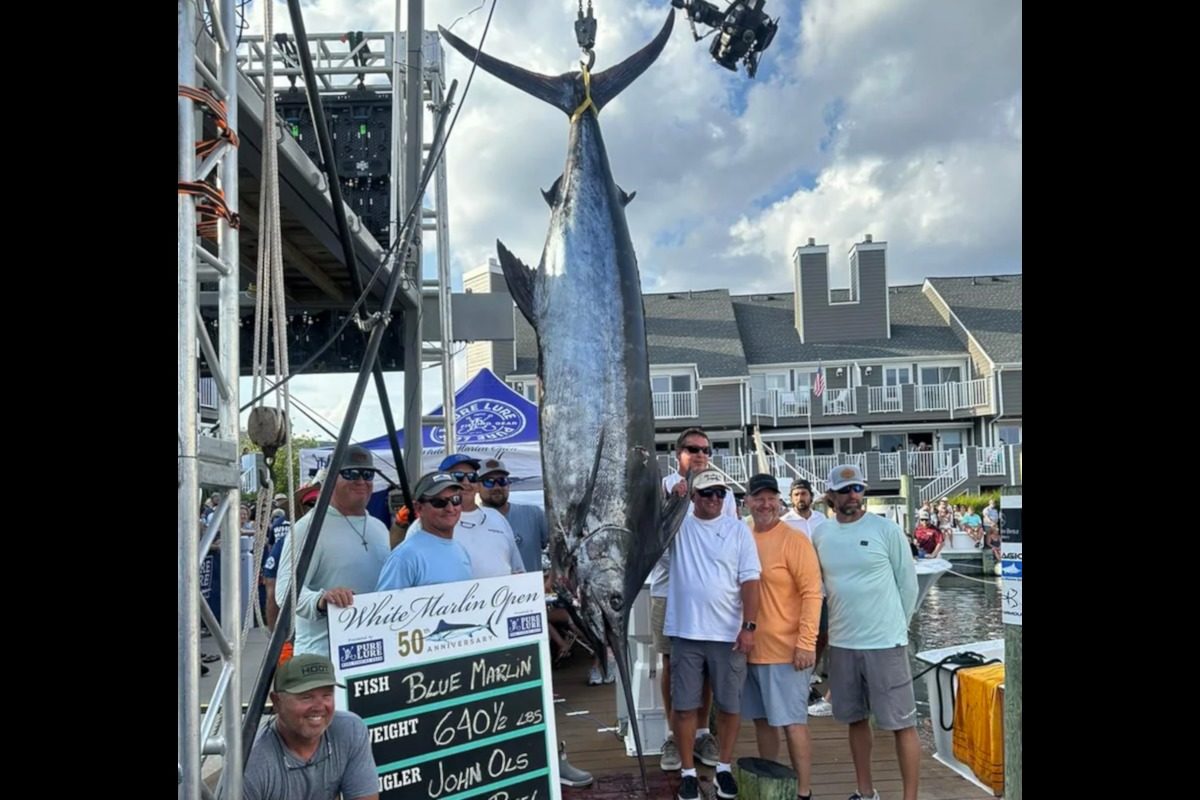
(304, 672)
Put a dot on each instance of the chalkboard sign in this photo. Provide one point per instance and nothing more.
(453, 682)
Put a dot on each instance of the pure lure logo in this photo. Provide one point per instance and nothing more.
(483, 422)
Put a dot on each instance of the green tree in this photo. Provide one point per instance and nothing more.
(279, 467)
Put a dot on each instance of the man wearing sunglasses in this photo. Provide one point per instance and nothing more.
(712, 611)
(484, 532)
(785, 643)
(528, 522)
(871, 579)
(347, 558)
(430, 553)
(692, 449)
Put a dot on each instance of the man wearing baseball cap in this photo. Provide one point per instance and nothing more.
(528, 522)
(348, 556)
(310, 751)
(711, 616)
(484, 532)
(871, 579)
(785, 644)
(429, 553)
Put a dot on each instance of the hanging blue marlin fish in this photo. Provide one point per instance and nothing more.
(609, 523)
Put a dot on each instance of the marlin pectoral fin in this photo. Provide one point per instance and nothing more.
(586, 502)
(551, 194)
(520, 281)
(611, 82)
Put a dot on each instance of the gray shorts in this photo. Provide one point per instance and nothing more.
(658, 617)
(726, 668)
(777, 693)
(872, 682)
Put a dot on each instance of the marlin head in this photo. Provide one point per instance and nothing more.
(566, 92)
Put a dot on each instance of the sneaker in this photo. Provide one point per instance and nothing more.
(670, 757)
(815, 696)
(689, 788)
(569, 775)
(874, 795)
(594, 677)
(611, 675)
(821, 708)
(706, 750)
(726, 785)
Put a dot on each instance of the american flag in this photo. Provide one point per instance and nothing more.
(818, 386)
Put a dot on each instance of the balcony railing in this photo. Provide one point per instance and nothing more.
(836, 402)
(945, 468)
(990, 461)
(881, 399)
(673, 405)
(933, 397)
(889, 466)
(931, 463)
(971, 394)
(777, 403)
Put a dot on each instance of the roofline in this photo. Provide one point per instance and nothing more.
(950, 311)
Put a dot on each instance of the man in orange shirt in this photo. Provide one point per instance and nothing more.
(785, 647)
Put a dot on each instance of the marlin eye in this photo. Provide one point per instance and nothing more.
(615, 601)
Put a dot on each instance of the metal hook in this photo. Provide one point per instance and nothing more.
(591, 60)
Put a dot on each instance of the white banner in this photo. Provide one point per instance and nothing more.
(453, 682)
(1010, 559)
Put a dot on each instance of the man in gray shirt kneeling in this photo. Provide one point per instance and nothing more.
(310, 751)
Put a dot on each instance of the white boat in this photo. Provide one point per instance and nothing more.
(941, 684)
(929, 570)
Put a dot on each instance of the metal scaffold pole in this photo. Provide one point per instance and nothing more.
(413, 130)
(208, 462)
(187, 402)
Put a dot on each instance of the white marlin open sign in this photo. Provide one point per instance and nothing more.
(483, 421)
(453, 682)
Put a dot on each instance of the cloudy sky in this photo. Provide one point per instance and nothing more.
(899, 118)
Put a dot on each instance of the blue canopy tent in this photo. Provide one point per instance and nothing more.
(491, 421)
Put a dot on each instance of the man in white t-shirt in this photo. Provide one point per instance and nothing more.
(692, 449)
(712, 605)
(484, 532)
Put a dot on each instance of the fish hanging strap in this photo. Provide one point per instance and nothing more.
(587, 96)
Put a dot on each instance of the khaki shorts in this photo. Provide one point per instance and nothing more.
(658, 617)
(691, 660)
(875, 683)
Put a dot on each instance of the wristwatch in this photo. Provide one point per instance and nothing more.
(749, 626)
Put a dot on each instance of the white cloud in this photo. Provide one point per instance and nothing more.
(901, 118)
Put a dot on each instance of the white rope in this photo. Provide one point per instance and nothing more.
(270, 316)
(970, 577)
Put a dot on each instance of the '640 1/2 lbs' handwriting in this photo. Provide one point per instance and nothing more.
(470, 724)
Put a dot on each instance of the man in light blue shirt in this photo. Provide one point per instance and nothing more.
(429, 554)
(871, 580)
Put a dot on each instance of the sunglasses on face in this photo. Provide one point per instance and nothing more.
(473, 477)
(694, 450)
(442, 502)
(716, 491)
(857, 488)
(492, 483)
(358, 474)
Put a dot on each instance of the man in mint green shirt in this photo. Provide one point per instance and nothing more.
(871, 580)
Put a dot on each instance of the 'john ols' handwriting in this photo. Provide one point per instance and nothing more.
(436, 605)
(497, 765)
